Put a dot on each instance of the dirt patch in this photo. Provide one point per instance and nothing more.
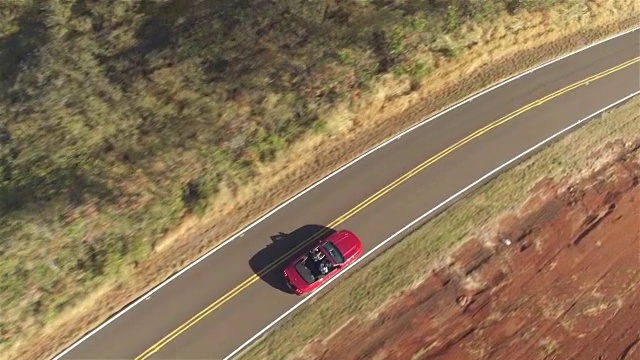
(559, 278)
(500, 51)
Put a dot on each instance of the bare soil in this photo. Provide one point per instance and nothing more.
(557, 278)
(496, 52)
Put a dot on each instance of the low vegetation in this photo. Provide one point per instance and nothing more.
(122, 119)
(385, 277)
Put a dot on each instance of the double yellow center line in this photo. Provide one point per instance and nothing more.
(253, 278)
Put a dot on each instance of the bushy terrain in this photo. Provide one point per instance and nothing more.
(117, 118)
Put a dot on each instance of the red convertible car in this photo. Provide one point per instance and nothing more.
(327, 258)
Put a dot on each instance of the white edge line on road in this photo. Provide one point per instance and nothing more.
(240, 233)
(414, 222)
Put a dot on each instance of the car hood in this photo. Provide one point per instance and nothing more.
(348, 244)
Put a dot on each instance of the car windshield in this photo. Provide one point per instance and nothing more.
(333, 251)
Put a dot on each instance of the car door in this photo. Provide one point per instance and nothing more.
(331, 274)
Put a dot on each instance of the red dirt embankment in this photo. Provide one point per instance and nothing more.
(559, 279)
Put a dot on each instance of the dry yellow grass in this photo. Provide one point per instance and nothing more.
(492, 53)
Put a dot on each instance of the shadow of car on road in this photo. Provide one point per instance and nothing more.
(269, 262)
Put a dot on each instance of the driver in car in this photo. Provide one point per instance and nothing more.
(317, 254)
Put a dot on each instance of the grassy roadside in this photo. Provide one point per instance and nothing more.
(510, 44)
(378, 281)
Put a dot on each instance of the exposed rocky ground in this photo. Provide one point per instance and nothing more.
(557, 279)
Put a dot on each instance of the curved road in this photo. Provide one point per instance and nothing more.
(234, 304)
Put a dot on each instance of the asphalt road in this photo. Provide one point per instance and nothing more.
(242, 315)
